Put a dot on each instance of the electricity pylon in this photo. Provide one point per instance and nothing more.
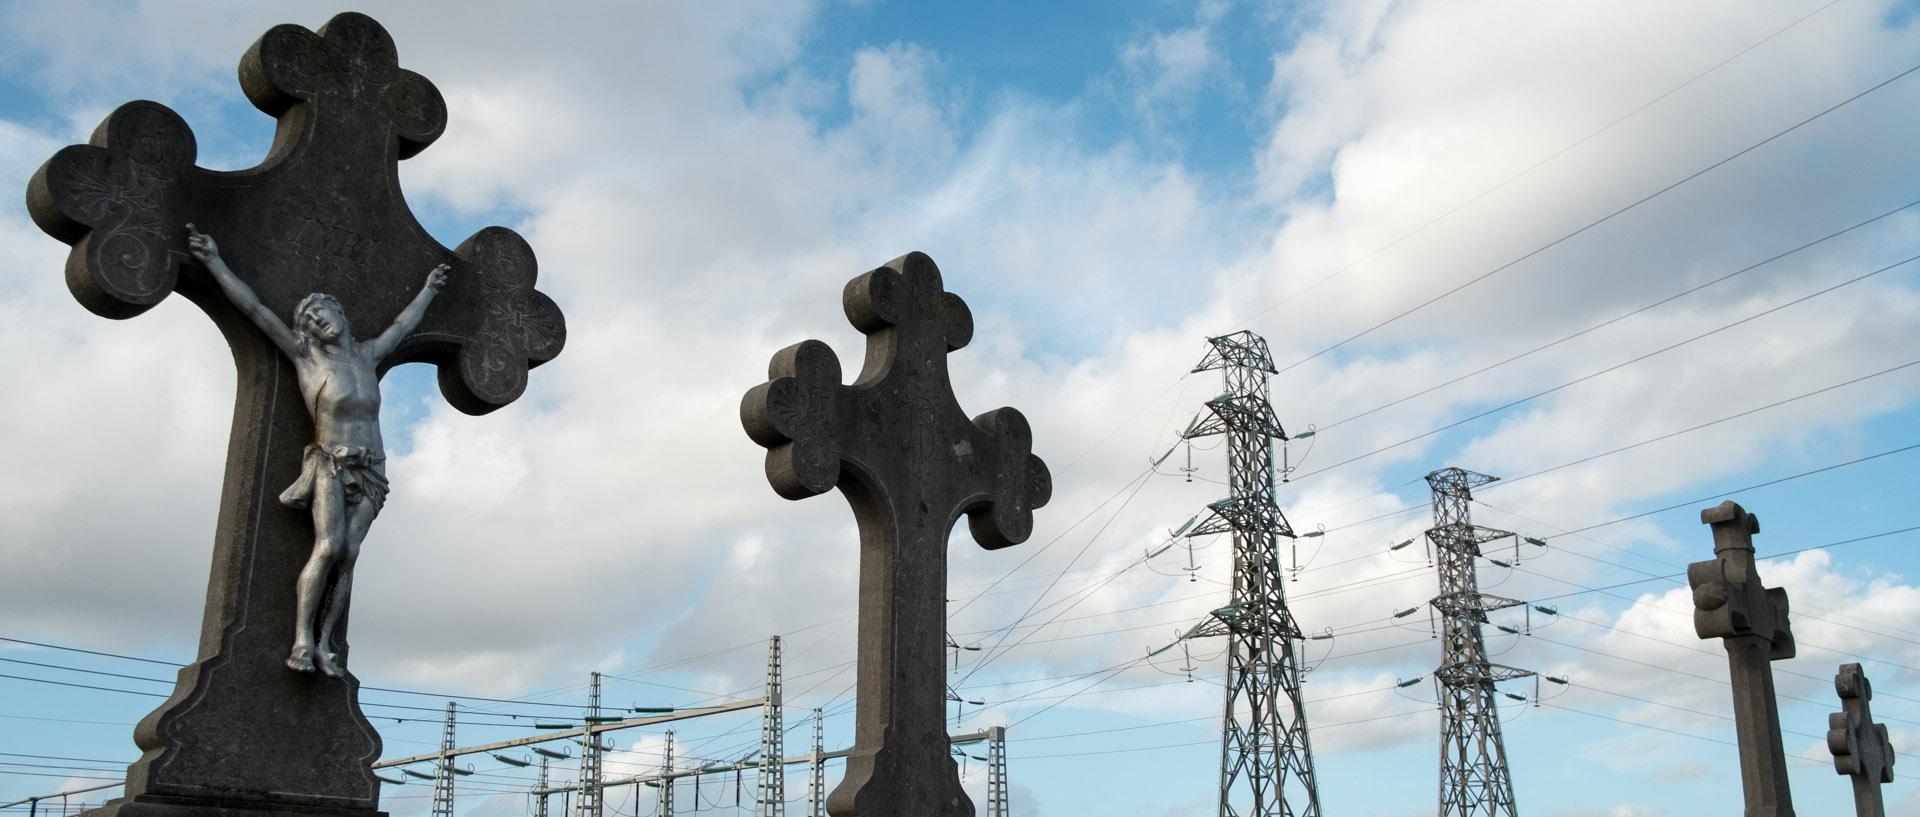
(1474, 781)
(770, 791)
(443, 770)
(666, 780)
(587, 802)
(1266, 762)
(997, 772)
(540, 802)
(817, 771)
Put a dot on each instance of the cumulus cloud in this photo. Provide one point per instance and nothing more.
(698, 193)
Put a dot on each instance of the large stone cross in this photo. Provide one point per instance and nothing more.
(1729, 603)
(1860, 747)
(242, 733)
(909, 462)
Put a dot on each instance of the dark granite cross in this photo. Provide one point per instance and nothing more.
(242, 733)
(1730, 604)
(909, 462)
(1860, 747)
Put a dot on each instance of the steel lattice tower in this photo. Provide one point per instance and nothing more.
(770, 791)
(1474, 780)
(817, 771)
(1266, 761)
(540, 802)
(443, 771)
(666, 782)
(997, 772)
(587, 804)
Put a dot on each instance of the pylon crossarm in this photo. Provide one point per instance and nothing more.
(1244, 516)
(1244, 350)
(1247, 413)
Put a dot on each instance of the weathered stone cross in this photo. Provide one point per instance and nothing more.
(243, 733)
(1730, 604)
(1860, 747)
(909, 462)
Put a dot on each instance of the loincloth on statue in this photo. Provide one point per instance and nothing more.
(361, 473)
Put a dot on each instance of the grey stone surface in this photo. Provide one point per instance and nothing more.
(242, 734)
(1729, 603)
(909, 462)
(1860, 747)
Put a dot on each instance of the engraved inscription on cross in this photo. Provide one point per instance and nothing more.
(322, 213)
(1729, 603)
(909, 463)
(1860, 747)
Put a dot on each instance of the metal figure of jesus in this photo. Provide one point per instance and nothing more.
(343, 471)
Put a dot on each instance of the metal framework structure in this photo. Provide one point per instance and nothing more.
(1474, 780)
(997, 772)
(770, 790)
(540, 802)
(817, 770)
(1266, 761)
(666, 779)
(587, 802)
(443, 770)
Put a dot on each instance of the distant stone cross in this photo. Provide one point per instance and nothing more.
(323, 213)
(909, 462)
(1730, 604)
(1860, 747)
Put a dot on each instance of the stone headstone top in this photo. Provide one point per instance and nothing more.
(322, 213)
(1730, 603)
(1861, 749)
(910, 463)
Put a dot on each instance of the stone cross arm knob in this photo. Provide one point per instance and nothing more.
(896, 436)
(1860, 747)
(1728, 598)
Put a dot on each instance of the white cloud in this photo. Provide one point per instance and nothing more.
(698, 194)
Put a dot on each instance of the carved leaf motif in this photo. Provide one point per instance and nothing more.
(799, 408)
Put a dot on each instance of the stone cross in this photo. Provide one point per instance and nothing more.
(909, 462)
(1730, 604)
(242, 733)
(1860, 747)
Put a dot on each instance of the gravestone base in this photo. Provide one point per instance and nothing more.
(155, 805)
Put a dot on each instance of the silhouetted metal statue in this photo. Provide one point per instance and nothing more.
(343, 470)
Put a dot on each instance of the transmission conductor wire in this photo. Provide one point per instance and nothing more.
(1604, 219)
(1621, 317)
(1615, 367)
(1244, 322)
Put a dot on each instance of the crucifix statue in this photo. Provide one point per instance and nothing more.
(1729, 603)
(1860, 747)
(343, 474)
(909, 462)
(254, 727)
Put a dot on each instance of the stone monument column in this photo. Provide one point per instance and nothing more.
(1860, 747)
(908, 460)
(243, 734)
(1729, 603)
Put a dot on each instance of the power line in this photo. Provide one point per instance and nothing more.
(1536, 165)
(1615, 367)
(1621, 317)
(1604, 219)
(1731, 492)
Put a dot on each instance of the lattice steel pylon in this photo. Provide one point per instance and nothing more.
(770, 790)
(666, 780)
(443, 770)
(1266, 761)
(997, 772)
(817, 770)
(1474, 779)
(587, 801)
(540, 800)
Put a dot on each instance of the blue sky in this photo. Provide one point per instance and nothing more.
(1106, 185)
